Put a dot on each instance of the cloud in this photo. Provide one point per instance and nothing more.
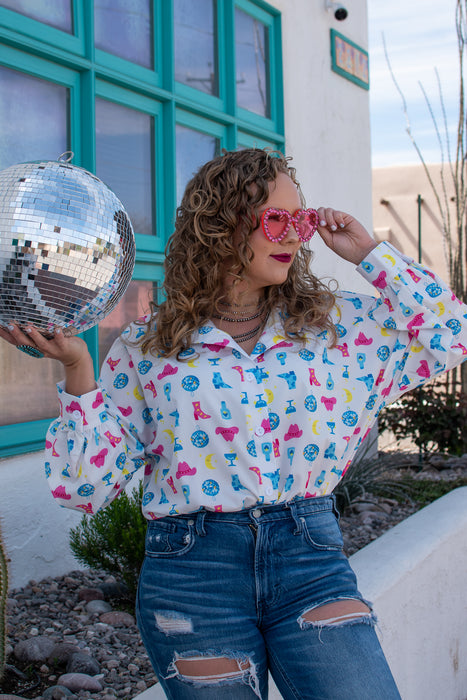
(419, 38)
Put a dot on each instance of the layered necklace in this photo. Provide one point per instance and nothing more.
(236, 313)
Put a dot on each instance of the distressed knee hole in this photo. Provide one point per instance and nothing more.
(336, 613)
(213, 668)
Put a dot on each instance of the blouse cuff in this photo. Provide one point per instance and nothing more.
(383, 261)
(79, 411)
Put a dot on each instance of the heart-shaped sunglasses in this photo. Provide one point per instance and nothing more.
(277, 222)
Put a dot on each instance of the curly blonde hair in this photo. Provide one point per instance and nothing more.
(221, 199)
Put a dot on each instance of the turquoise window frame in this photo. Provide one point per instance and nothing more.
(145, 243)
(117, 65)
(271, 19)
(246, 140)
(71, 60)
(191, 94)
(43, 69)
(28, 437)
(39, 35)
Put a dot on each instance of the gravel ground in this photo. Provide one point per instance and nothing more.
(370, 516)
(72, 630)
(90, 637)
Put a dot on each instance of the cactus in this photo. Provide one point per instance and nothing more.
(3, 599)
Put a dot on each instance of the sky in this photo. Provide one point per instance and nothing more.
(420, 36)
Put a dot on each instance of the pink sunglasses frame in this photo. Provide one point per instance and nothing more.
(312, 213)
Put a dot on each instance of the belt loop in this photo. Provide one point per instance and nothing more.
(293, 509)
(199, 523)
(335, 509)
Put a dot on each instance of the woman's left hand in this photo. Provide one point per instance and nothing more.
(344, 235)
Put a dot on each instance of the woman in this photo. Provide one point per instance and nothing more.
(243, 397)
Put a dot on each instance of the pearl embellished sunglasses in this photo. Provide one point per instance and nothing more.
(277, 222)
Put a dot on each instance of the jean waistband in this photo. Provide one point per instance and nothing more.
(258, 513)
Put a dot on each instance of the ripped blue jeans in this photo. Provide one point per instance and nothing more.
(226, 597)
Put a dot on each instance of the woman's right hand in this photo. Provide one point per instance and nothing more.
(71, 351)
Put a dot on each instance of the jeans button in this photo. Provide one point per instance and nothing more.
(257, 513)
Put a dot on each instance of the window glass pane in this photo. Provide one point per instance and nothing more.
(252, 64)
(135, 303)
(33, 118)
(124, 28)
(57, 13)
(124, 148)
(195, 44)
(34, 399)
(193, 149)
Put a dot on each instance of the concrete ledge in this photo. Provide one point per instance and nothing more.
(416, 576)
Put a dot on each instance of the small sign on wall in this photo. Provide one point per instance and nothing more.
(349, 60)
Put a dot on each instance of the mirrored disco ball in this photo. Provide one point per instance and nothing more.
(67, 248)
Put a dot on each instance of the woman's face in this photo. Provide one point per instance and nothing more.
(272, 260)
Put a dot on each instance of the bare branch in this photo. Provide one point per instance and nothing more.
(446, 232)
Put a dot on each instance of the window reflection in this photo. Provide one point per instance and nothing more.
(56, 13)
(252, 64)
(124, 28)
(34, 118)
(124, 151)
(195, 44)
(193, 149)
(27, 389)
(134, 304)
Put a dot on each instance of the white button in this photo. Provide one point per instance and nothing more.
(256, 513)
(269, 491)
(76, 414)
(259, 431)
(249, 377)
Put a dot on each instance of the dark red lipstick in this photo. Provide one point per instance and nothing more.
(282, 257)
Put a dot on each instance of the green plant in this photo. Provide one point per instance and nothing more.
(113, 538)
(433, 418)
(369, 473)
(3, 599)
(425, 491)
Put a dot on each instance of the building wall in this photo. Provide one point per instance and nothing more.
(327, 120)
(396, 211)
(327, 133)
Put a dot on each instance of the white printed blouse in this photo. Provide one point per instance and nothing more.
(223, 430)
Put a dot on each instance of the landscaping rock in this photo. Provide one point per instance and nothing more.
(81, 662)
(61, 652)
(80, 681)
(113, 589)
(57, 692)
(34, 650)
(98, 606)
(117, 618)
(88, 594)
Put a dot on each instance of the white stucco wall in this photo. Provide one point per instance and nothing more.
(35, 529)
(327, 120)
(328, 135)
(415, 576)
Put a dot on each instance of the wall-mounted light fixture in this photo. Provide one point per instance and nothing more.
(340, 12)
